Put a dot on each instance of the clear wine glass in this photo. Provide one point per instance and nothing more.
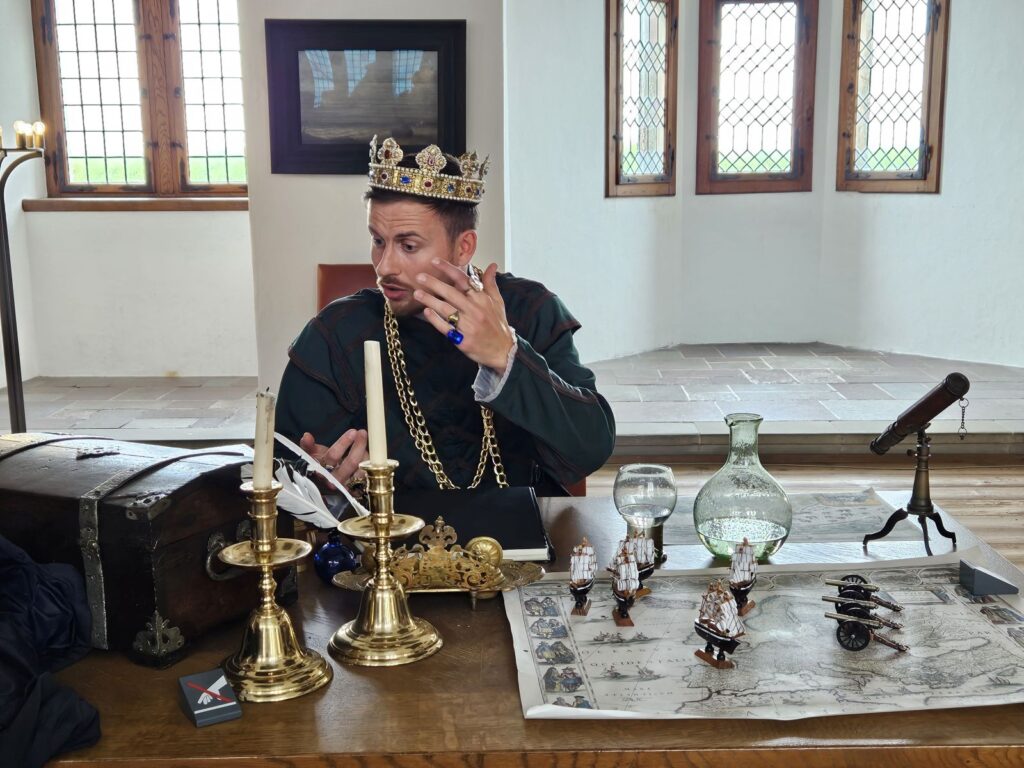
(645, 495)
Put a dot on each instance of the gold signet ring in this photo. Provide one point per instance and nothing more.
(453, 319)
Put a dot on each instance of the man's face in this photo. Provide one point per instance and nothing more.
(405, 236)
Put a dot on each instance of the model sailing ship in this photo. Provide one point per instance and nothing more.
(642, 547)
(582, 569)
(718, 622)
(625, 584)
(743, 576)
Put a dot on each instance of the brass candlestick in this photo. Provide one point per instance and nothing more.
(384, 632)
(271, 665)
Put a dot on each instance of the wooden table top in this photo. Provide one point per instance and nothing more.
(461, 707)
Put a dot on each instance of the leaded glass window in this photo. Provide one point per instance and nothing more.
(891, 95)
(755, 88)
(99, 82)
(212, 69)
(642, 59)
(141, 97)
(756, 95)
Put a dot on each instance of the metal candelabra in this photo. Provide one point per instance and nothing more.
(384, 633)
(271, 665)
(12, 355)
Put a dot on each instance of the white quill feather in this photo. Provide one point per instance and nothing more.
(300, 496)
(316, 467)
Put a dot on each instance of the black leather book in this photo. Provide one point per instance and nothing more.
(510, 515)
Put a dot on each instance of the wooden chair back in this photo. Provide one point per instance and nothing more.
(336, 280)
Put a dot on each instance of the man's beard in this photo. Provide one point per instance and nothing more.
(406, 308)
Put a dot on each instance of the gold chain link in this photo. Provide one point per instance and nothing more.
(417, 424)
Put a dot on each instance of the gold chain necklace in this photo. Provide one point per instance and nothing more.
(417, 424)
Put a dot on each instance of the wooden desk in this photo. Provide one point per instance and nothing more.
(461, 707)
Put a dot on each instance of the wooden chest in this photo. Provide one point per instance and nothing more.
(143, 523)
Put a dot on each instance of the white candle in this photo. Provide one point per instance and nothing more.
(263, 461)
(21, 131)
(375, 403)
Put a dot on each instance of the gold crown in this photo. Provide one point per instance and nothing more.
(427, 180)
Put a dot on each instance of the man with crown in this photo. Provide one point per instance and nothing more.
(486, 387)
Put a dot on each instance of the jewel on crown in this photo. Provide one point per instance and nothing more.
(431, 159)
(389, 154)
(427, 179)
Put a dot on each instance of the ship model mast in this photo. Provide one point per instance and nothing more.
(642, 548)
(582, 569)
(743, 576)
(625, 583)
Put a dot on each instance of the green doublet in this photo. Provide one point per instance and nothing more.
(550, 421)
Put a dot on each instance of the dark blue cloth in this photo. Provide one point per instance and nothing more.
(44, 625)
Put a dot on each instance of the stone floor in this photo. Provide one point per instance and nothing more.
(814, 397)
(142, 408)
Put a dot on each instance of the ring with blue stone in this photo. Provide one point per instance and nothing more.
(455, 337)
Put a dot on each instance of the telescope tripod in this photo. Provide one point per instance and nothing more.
(920, 499)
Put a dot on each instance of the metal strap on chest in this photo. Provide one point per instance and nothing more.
(89, 533)
(23, 445)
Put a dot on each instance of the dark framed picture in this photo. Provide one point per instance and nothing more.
(333, 84)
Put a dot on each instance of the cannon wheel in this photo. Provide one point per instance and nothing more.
(853, 636)
(854, 578)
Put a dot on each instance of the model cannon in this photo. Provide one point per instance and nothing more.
(855, 632)
(854, 606)
(848, 606)
(857, 588)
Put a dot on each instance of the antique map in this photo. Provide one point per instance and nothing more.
(964, 651)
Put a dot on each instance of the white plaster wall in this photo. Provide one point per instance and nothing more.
(125, 293)
(942, 274)
(143, 294)
(19, 100)
(299, 221)
(646, 272)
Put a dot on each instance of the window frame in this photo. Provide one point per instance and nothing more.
(932, 113)
(649, 186)
(709, 181)
(161, 86)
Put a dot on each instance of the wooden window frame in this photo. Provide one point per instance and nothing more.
(651, 186)
(709, 181)
(926, 179)
(161, 85)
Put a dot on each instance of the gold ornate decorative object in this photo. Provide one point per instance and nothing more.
(384, 632)
(437, 564)
(271, 665)
(417, 423)
(426, 180)
(432, 565)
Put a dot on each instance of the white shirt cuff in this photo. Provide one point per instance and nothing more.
(488, 384)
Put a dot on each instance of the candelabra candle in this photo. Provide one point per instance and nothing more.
(22, 131)
(39, 134)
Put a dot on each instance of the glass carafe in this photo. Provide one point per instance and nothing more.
(742, 500)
